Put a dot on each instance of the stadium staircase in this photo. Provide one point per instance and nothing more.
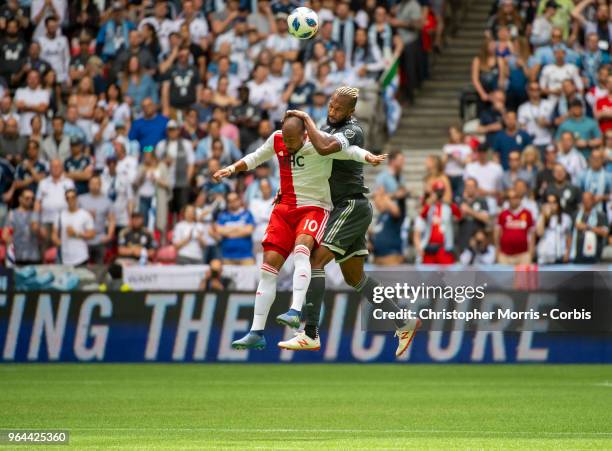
(423, 127)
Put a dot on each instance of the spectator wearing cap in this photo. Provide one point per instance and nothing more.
(152, 189)
(474, 213)
(32, 170)
(586, 130)
(78, 166)
(553, 74)
(596, 180)
(189, 238)
(514, 234)
(510, 138)
(179, 156)
(114, 33)
(150, 129)
(135, 242)
(23, 231)
(569, 94)
(119, 190)
(101, 209)
(182, 86)
(488, 175)
(541, 31)
(280, 41)
(31, 100)
(233, 229)
(590, 232)
(434, 237)
(71, 231)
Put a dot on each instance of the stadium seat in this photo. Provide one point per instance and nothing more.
(166, 255)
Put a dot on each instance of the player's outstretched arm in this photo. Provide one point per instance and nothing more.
(356, 153)
(324, 143)
(250, 161)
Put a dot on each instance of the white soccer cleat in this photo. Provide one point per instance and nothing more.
(301, 342)
(405, 335)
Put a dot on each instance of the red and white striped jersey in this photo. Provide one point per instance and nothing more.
(305, 174)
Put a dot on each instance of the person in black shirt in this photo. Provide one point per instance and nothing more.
(181, 88)
(568, 194)
(246, 117)
(31, 170)
(544, 177)
(78, 166)
(474, 213)
(298, 92)
(12, 52)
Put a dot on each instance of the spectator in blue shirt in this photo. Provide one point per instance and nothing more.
(510, 138)
(583, 128)
(7, 178)
(114, 34)
(596, 179)
(151, 128)
(140, 85)
(234, 229)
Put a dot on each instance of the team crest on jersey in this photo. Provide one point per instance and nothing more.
(349, 133)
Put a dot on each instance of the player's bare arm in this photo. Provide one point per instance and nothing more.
(324, 143)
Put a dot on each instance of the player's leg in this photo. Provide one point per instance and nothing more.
(277, 244)
(308, 339)
(309, 232)
(355, 276)
(264, 298)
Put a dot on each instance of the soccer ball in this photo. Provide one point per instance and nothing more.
(303, 23)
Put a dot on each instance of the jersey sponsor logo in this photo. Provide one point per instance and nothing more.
(294, 160)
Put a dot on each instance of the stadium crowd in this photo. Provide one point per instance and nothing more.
(530, 179)
(115, 114)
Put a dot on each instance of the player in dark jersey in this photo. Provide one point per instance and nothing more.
(345, 234)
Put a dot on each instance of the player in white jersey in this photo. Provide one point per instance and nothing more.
(297, 222)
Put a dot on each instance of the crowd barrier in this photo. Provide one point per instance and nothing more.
(199, 327)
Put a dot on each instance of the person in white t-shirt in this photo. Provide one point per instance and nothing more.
(488, 174)
(30, 101)
(51, 194)
(71, 231)
(188, 237)
(281, 41)
(456, 155)
(534, 116)
(41, 9)
(553, 75)
(55, 49)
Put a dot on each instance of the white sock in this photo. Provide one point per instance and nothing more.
(301, 276)
(264, 297)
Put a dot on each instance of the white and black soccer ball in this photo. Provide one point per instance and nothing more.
(303, 23)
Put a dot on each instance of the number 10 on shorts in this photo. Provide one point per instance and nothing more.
(311, 225)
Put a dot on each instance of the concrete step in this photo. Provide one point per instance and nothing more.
(429, 101)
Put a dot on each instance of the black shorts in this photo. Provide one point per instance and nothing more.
(347, 226)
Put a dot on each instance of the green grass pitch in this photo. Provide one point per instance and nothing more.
(289, 406)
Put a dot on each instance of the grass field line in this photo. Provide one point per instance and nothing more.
(344, 431)
(321, 383)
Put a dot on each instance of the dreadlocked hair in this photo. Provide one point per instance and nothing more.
(351, 93)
